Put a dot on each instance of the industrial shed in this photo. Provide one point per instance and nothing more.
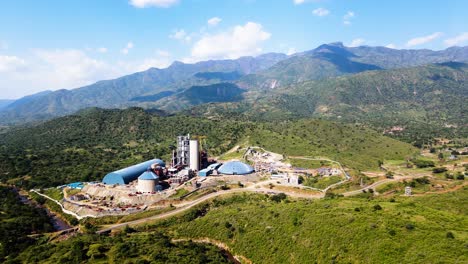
(124, 176)
(235, 168)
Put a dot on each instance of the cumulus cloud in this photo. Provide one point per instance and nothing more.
(391, 46)
(321, 12)
(153, 3)
(127, 48)
(423, 40)
(298, 2)
(65, 68)
(242, 40)
(102, 50)
(180, 34)
(347, 17)
(457, 40)
(10, 63)
(214, 21)
(357, 42)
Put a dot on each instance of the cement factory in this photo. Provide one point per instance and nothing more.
(186, 162)
(154, 184)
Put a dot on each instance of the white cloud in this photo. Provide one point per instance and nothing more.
(181, 35)
(162, 59)
(347, 17)
(10, 63)
(214, 21)
(457, 40)
(127, 48)
(298, 2)
(102, 50)
(321, 12)
(357, 42)
(154, 3)
(66, 68)
(391, 46)
(423, 40)
(291, 51)
(239, 41)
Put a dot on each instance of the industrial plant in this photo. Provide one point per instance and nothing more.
(154, 183)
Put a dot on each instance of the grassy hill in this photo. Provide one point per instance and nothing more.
(86, 146)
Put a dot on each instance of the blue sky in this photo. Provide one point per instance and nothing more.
(54, 44)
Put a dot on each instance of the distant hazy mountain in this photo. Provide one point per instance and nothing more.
(120, 92)
(165, 88)
(5, 102)
(334, 59)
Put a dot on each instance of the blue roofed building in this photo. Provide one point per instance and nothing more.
(127, 175)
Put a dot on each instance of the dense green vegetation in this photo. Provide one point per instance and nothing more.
(17, 222)
(152, 247)
(343, 230)
(414, 99)
(86, 146)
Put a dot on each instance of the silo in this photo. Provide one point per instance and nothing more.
(194, 155)
(147, 182)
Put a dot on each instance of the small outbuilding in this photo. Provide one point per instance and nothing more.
(235, 168)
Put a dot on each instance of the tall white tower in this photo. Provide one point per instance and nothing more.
(194, 155)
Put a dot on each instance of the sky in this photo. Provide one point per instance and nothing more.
(58, 44)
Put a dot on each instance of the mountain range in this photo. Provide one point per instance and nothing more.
(182, 86)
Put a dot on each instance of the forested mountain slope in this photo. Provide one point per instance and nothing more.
(86, 146)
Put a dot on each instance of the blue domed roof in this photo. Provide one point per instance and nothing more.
(235, 167)
(148, 175)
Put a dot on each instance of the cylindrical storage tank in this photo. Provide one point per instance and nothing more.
(194, 155)
(147, 182)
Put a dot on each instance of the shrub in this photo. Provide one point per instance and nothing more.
(409, 226)
(439, 170)
(420, 163)
(450, 235)
(278, 197)
(377, 207)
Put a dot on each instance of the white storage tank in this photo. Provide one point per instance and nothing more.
(147, 182)
(194, 155)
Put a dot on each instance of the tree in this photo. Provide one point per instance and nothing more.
(441, 156)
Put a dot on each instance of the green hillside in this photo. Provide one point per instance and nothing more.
(265, 229)
(196, 95)
(422, 99)
(85, 147)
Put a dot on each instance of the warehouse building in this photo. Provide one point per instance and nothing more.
(127, 175)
